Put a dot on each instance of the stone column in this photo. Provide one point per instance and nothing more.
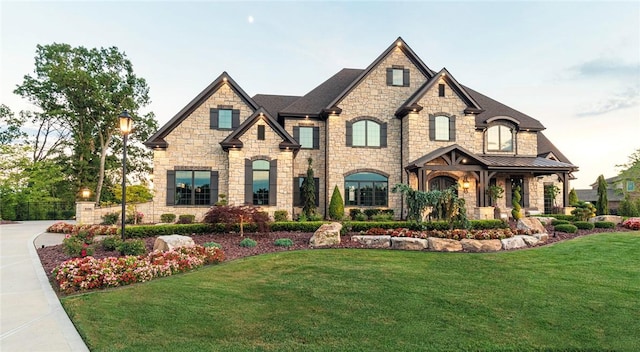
(85, 212)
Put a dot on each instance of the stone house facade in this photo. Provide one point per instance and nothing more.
(396, 121)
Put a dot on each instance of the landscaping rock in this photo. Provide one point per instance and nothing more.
(531, 224)
(542, 237)
(170, 242)
(444, 245)
(528, 240)
(373, 241)
(326, 235)
(611, 218)
(544, 220)
(480, 245)
(409, 243)
(514, 242)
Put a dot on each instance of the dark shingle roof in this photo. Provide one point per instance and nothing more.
(274, 103)
(494, 108)
(545, 147)
(316, 100)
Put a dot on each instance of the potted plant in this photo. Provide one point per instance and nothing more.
(495, 192)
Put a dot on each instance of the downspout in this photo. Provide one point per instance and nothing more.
(401, 164)
(326, 168)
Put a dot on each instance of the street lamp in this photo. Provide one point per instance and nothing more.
(85, 193)
(126, 124)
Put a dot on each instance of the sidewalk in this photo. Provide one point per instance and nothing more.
(32, 318)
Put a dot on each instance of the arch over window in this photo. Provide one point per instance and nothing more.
(500, 138)
(366, 189)
(366, 133)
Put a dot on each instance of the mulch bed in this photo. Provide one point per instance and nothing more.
(52, 256)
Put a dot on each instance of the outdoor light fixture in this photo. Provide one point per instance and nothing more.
(85, 193)
(126, 125)
(465, 184)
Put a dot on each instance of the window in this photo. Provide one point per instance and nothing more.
(366, 189)
(511, 184)
(398, 76)
(442, 127)
(261, 178)
(442, 183)
(500, 138)
(366, 133)
(631, 186)
(224, 118)
(298, 194)
(260, 182)
(191, 187)
(307, 136)
(261, 132)
(441, 90)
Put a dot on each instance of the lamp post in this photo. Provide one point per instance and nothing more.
(126, 124)
(85, 193)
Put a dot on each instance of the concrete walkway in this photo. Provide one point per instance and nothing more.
(32, 318)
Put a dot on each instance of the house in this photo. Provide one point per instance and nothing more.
(396, 121)
(617, 189)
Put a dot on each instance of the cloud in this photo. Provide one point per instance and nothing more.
(624, 99)
(606, 68)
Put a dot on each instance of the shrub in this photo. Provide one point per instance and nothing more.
(382, 217)
(132, 247)
(487, 224)
(584, 211)
(371, 212)
(568, 228)
(280, 215)
(632, 223)
(247, 242)
(168, 218)
(231, 215)
(561, 217)
(186, 219)
(336, 206)
(75, 247)
(604, 225)
(111, 243)
(353, 212)
(110, 218)
(584, 225)
(134, 217)
(283, 242)
(361, 217)
(515, 212)
(308, 226)
(212, 245)
(170, 229)
(559, 222)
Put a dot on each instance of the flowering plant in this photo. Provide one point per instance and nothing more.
(90, 273)
(632, 223)
(456, 234)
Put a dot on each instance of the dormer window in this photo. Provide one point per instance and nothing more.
(398, 76)
(500, 138)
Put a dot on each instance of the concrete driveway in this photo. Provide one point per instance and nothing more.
(32, 318)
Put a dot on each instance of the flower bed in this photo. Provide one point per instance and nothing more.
(90, 273)
(93, 230)
(632, 223)
(456, 234)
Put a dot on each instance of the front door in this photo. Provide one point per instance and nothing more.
(441, 183)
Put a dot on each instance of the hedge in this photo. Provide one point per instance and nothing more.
(559, 217)
(568, 228)
(560, 222)
(303, 226)
(584, 225)
(604, 224)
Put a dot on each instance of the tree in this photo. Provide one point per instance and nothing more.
(309, 193)
(631, 170)
(135, 194)
(336, 206)
(573, 197)
(515, 201)
(85, 90)
(602, 206)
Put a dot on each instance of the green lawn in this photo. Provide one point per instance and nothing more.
(582, 294)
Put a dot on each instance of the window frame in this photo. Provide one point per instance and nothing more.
(214, 118)
(500, 141)
(208, 181)
(380, 136)
(260, 199)
(391, 76)
(442, 125)
(372, 197)
(315, 136)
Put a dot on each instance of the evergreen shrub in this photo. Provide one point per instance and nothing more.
(604, 225)
(568, 228)
(168, 218)
(186, 219)
(584, 225)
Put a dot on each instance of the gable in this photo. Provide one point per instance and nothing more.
(223, 92)
(245, 132)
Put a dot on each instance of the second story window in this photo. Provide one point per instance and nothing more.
(398, 76)
(224, 118)
(307, 136)
(500, 139)
(442, 128)
(366, 133)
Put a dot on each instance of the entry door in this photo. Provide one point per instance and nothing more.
(441, 183)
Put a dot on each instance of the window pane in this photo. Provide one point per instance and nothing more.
(183, 187)
(398, 79)
(202, 180)
(224, 118)
(351, 190)
(442, 128)
(366, 193)
(359, 130)
(493, 138)
(380, 193)
(506, 140)
(373, 134)
(260, 182)
(361, 189)
(306, 137)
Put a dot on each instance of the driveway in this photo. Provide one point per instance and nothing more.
(32, 318)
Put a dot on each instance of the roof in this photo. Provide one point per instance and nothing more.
(591, 195)
(157, 140)
(533, 162)
(233, 139)
(442, 151)
(545, 147)
(493, 108)
(274, 103)
(317, 99)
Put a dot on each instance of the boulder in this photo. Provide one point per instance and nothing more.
(514, 242)
(611, 218)
(545, 220)
(326, 235)
(373, 241)
(170, 242)
(528, 240)
(531, 224)
(409, 243)
(480, 245)
(444, 245)
(542, 237)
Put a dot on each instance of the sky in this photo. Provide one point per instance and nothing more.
(574, 66)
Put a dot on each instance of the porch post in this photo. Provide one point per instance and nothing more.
(565, 189)
(421, 179)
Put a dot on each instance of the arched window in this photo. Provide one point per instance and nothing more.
(366, 189)
(442, 128)
(366, 133)
(260, 182)
(500, 138)
(441, 183)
